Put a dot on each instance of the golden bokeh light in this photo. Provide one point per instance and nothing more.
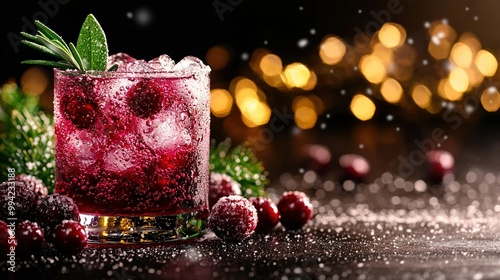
(471, 41)
(271, 65)
(391, 90)
(256, 57)
(486, 63)
(221, 102)
(439, 30)
(383, 53)
(449, 92)
(332, 50)
(439, 49)
(296, 75)
(305, 117)
(373, 69)
(458, 79)
(255, 113)
(302, 101)
(362, 107)
(422, 96)
(490, 99)
(239, 83)
(245, 95)
(392, 35)
(461, 55)
(217, 57)
(34, 81)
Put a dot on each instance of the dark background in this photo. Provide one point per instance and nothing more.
(180, 28)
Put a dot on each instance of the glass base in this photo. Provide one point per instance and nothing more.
(134, 230)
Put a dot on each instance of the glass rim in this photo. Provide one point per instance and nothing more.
(149, 74)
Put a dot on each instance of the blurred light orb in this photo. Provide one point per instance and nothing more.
(422, 96)
(217, 57)
(392, 35)
(486, 63)
(373, 69)
(221, 102)
(255, 113)
(34, 81)
(143, 16)
(302, 43)
(490, 99)
(461, 55)
(305, 117)
(332, 50)
(458, 79)
(271, 65)
(391, 90)
(297, 75)
(362, 107)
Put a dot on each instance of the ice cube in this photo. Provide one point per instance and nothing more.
(80, 150)
(162, 63)
(168, 129)
(139, 66)
(190, 64)
(124, 154)
(121, 59)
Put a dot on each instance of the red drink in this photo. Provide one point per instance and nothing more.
(132, 148)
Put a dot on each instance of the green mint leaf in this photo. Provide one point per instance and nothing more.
(114, 67)
(92, 45)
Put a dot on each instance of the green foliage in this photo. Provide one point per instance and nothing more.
(241, 164)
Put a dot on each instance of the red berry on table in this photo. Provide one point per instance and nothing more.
(30, 238)
(70, 237)
(295, 209)
(17, 201)
(233, 218)
(440, 163)
(53, 209)
(267, 212)
(354, 167)
(145, 98)
(6, 244)
(317, 158)
(34, 183)
(221, 185)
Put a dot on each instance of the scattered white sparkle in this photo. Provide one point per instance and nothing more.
(469, 109)
(425, 62)
(301, 170)
(398, 129)
(410, 41)
(361, 146)
(130, 15)
(467, 8)
(143, 16)
(342, 91)
(444, 21)
(265, 42)
(360, 11)
(390, 117)
(369, 91)
(355, 68)
(323, 125)
(312, 31)
(476, 18)
(302, 43)
(427, 24)
(301, 8)
(331, 71)
(327, 116)
(245, 56)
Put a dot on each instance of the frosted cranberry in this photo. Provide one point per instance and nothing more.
(233, 218)
(34, 183)
(6, 244)
(81, 110)
(354, 167)
(70, 237)
(221, 185)
(317, 158)
(53, 209)
(30, 238)
(145, 98)
(267, 212)
(439, 164)
(295, 209)
(17, 200)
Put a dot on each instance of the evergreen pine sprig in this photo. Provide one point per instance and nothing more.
(29, 146)
(241, 164)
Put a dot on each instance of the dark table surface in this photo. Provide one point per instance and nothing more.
(390, 227)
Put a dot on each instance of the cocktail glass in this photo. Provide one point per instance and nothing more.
(132, 148)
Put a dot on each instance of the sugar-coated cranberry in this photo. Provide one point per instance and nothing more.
(295, 209)
(70, 237)
(317, 158)
(354, 167)
(53, 209)
(8, 240)
(221, 185)
(80, 109)
(30, 238)
(267, 212)
(145, 98)
(34, 183)
(439, 163)
(233, 218)
(17, 200)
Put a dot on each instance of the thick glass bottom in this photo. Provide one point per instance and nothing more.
(134, 230)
